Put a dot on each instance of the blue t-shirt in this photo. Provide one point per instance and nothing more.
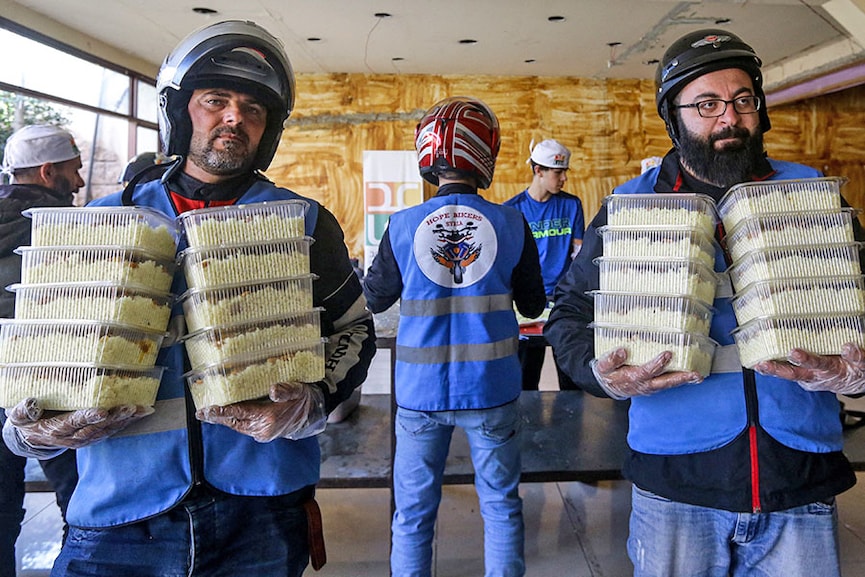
(555, 224)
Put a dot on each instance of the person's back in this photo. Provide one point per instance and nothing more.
(458, 269)
(42, 162)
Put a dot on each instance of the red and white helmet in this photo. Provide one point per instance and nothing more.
(458, 134)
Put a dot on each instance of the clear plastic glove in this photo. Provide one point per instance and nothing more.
(842, 374)
(622, 381)
(70, 430)
(293, 411)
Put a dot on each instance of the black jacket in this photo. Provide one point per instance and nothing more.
(15, 232)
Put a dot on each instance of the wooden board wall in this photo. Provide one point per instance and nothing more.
(608, 125)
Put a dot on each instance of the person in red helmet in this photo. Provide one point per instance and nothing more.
(457, 264)
(734, 472)
(181, 489)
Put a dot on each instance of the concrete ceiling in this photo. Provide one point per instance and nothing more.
(798, 40)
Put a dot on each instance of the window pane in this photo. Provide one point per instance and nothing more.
(146, 140)
(53, 72)
(146, 102)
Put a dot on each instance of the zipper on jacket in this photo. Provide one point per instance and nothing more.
(193, 431)
(750, 385)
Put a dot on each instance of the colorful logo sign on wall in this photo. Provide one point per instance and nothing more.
(391, 182)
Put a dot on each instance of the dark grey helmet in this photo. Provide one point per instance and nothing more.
(236, 55)
(698, 53)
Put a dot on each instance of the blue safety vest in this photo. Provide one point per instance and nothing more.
(696, 418)
(147, 469)
(457, 340)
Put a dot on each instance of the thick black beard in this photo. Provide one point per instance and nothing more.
(234, 159)
(731, 165)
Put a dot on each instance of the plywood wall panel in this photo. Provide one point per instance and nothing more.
(608, 125)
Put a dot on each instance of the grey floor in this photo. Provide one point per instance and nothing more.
(572, 529)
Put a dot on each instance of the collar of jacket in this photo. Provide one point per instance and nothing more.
(456, 188)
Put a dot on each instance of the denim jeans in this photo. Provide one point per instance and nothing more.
(422, 442)
(671, 539)
(213, 535)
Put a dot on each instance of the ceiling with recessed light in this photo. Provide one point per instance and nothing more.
(797, 39)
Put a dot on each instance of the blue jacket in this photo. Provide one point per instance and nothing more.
(730, 435)
(455, 258)
(151, 466)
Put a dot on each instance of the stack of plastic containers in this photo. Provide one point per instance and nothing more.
(656, 279)
(795, 268)
(249, 306)
(91, 310)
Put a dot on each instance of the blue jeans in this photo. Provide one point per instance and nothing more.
(213, 535)
(671, 539)
(422, 442)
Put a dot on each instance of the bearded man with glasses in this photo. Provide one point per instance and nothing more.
(734, 472)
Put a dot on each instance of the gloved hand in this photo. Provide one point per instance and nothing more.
(843, 374)
(73, 429)
(293, 411)
(623, 382)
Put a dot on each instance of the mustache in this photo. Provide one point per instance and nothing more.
(730, 132)
(233, 130)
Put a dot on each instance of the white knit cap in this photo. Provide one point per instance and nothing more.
(36, 145)
(551, 154)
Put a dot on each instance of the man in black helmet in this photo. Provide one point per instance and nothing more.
(734, 470)
(221, 490)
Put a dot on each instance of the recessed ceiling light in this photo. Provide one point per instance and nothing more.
(202, 10)
(556, 18)
(468, 41)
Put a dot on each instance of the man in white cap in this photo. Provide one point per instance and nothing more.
(556, 220)
(43, 162)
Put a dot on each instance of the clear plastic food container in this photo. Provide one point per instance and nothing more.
(246, 302)
(49, 341)
(110, 302)
(691, 352)
(68, 387)
(690, 210)
(796, 262)
(797, 195)
(118, 264)
(804, 296)
(677, 277)
(251, 262)
(218, 344)
(260, 222)
(134, 226)
(250, 377)
(773, 337)
(791, 229)
(658, 242)
(678, 313)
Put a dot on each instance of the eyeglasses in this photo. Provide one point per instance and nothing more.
(715, 107)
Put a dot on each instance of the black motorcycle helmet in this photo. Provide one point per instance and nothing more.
(235, 55)
(698, 53)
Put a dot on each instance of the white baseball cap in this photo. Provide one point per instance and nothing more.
(36, 145)
(550, 154)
